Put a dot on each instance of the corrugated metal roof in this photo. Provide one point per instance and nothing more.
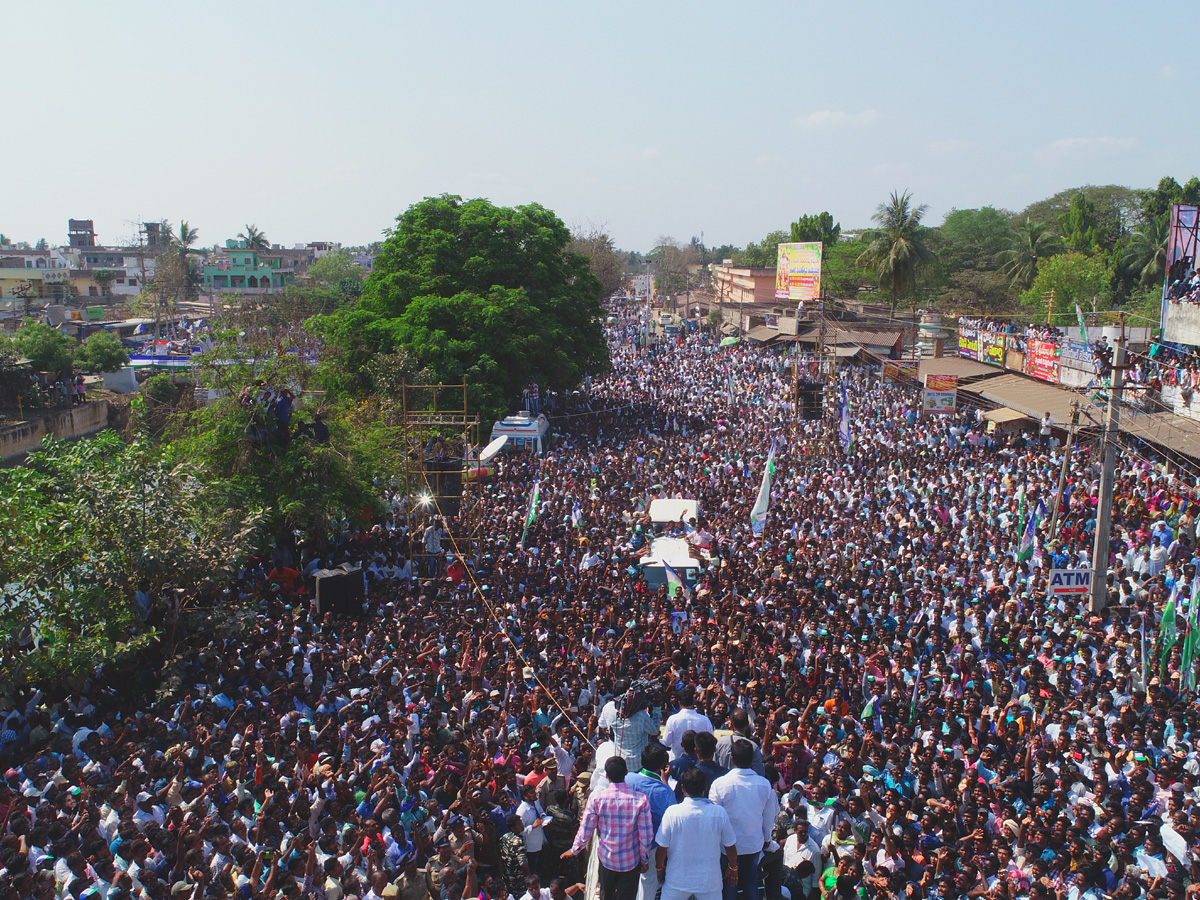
(1166, 429)
(762, 333)
(1003, 414)
(954, 365)
(1035, 398)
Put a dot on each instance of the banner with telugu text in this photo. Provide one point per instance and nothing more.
(798, 272)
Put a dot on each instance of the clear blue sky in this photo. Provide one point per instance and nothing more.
(323, 121)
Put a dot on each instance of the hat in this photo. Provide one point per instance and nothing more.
(527, 674)
(143, 797)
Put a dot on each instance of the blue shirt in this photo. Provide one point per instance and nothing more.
(660, 796)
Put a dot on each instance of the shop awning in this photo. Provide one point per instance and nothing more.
(1003, 414)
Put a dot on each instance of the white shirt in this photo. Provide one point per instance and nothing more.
(795, 853)
(751, 803)
(695, 834)
(534, 837)
(684, 720)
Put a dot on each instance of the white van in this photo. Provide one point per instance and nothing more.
(524, 432)
(675, 553)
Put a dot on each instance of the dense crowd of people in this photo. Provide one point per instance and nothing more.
(874, 696)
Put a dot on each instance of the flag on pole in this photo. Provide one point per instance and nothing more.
(758, 515)
(1145, 654)
(844, 423)
(1191, 639)
(577, 515)
(675, 582)
(532, 514)
(1029, 533)
(729, 377)
(1168, 633)
(1082, 328)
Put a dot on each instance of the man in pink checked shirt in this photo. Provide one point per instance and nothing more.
(620, 818)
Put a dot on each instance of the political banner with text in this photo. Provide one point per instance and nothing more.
(798, 273)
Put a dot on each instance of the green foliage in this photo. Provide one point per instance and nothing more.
(1117, 209)
(973, 237)
(1073, 278)
(1080, 226)
(81, 524)
(255, 239)
(602, 256)
(161, 388)
(103, 278)
(765, 253)
(49, 348)
(841, 275)
(1032, 243)
(471, 290)
(1157, 203)
(334, 267)
(101, 352)
(895, 250)
(820, 227)
(672, 264)
(1145, 253)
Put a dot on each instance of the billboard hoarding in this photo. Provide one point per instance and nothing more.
(1042, 360)
(798, 272)
(898, 370)
(940, 394)
(968, 343)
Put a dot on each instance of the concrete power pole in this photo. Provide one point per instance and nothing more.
(1104, 513)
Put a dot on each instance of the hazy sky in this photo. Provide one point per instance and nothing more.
(323, 121)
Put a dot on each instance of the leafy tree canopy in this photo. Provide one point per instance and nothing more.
(335, 266)
(602, 256)
(471, 290)
(1157, 202)
(1073, 278)
(101, 352)
(764, 253)
(1117, 209)
(820, 227)
(49, 348)
(973, 237)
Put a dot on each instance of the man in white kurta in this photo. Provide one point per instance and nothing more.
(691, 838)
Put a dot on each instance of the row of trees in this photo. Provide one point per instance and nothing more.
(1098, 246)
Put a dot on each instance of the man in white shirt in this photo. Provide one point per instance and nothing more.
(686, 719)
(798, 848)
(691, 838)
(752, 804)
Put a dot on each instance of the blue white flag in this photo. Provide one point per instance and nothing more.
(844, 423)
(1029, 532)
(577, 515)
(758, 515)
(676, 582)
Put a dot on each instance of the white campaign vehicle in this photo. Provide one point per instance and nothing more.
(524, 432)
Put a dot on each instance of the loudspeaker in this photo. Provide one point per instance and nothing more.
(340, 591)
(809, 401)
(445, 479)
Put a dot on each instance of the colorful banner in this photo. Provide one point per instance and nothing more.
(940, 393)
(798, 272)
(899, 370)
(991, 348)
(968, 343)
(1042, 360)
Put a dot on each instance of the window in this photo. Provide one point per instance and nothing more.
(120, 281)
(92, 292)
(133, 282)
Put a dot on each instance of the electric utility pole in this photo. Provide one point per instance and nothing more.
(1104, 513)
(1062, 475)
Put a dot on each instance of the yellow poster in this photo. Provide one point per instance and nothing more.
(798, 273)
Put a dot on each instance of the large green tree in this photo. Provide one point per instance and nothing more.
(1157, 202)
(1116, 209)
(49, 349)
(1030, 244)
(820, 227)
(101, 352)
(765, 253)
(334, 267)
(81, 524)
(973, 237)
(602, 256)
(255, 239)
(895, 250)
(1080, 226)
(1069, 278)
(476, 292)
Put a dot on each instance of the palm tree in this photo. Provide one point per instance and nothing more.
(1147, 249)
(895, 250)
(1032, 242)
(255, 239)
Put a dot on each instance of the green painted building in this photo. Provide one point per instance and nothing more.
(237, 269)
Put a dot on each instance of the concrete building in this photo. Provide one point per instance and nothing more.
(235, 269)
(743, 284)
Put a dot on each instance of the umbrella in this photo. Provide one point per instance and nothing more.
(729, 341)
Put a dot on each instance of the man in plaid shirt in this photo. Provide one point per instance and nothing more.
(620, 817)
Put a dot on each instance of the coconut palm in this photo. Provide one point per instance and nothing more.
(1147, 249)
(255, 239)
(895, 250)
(1032, 242)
